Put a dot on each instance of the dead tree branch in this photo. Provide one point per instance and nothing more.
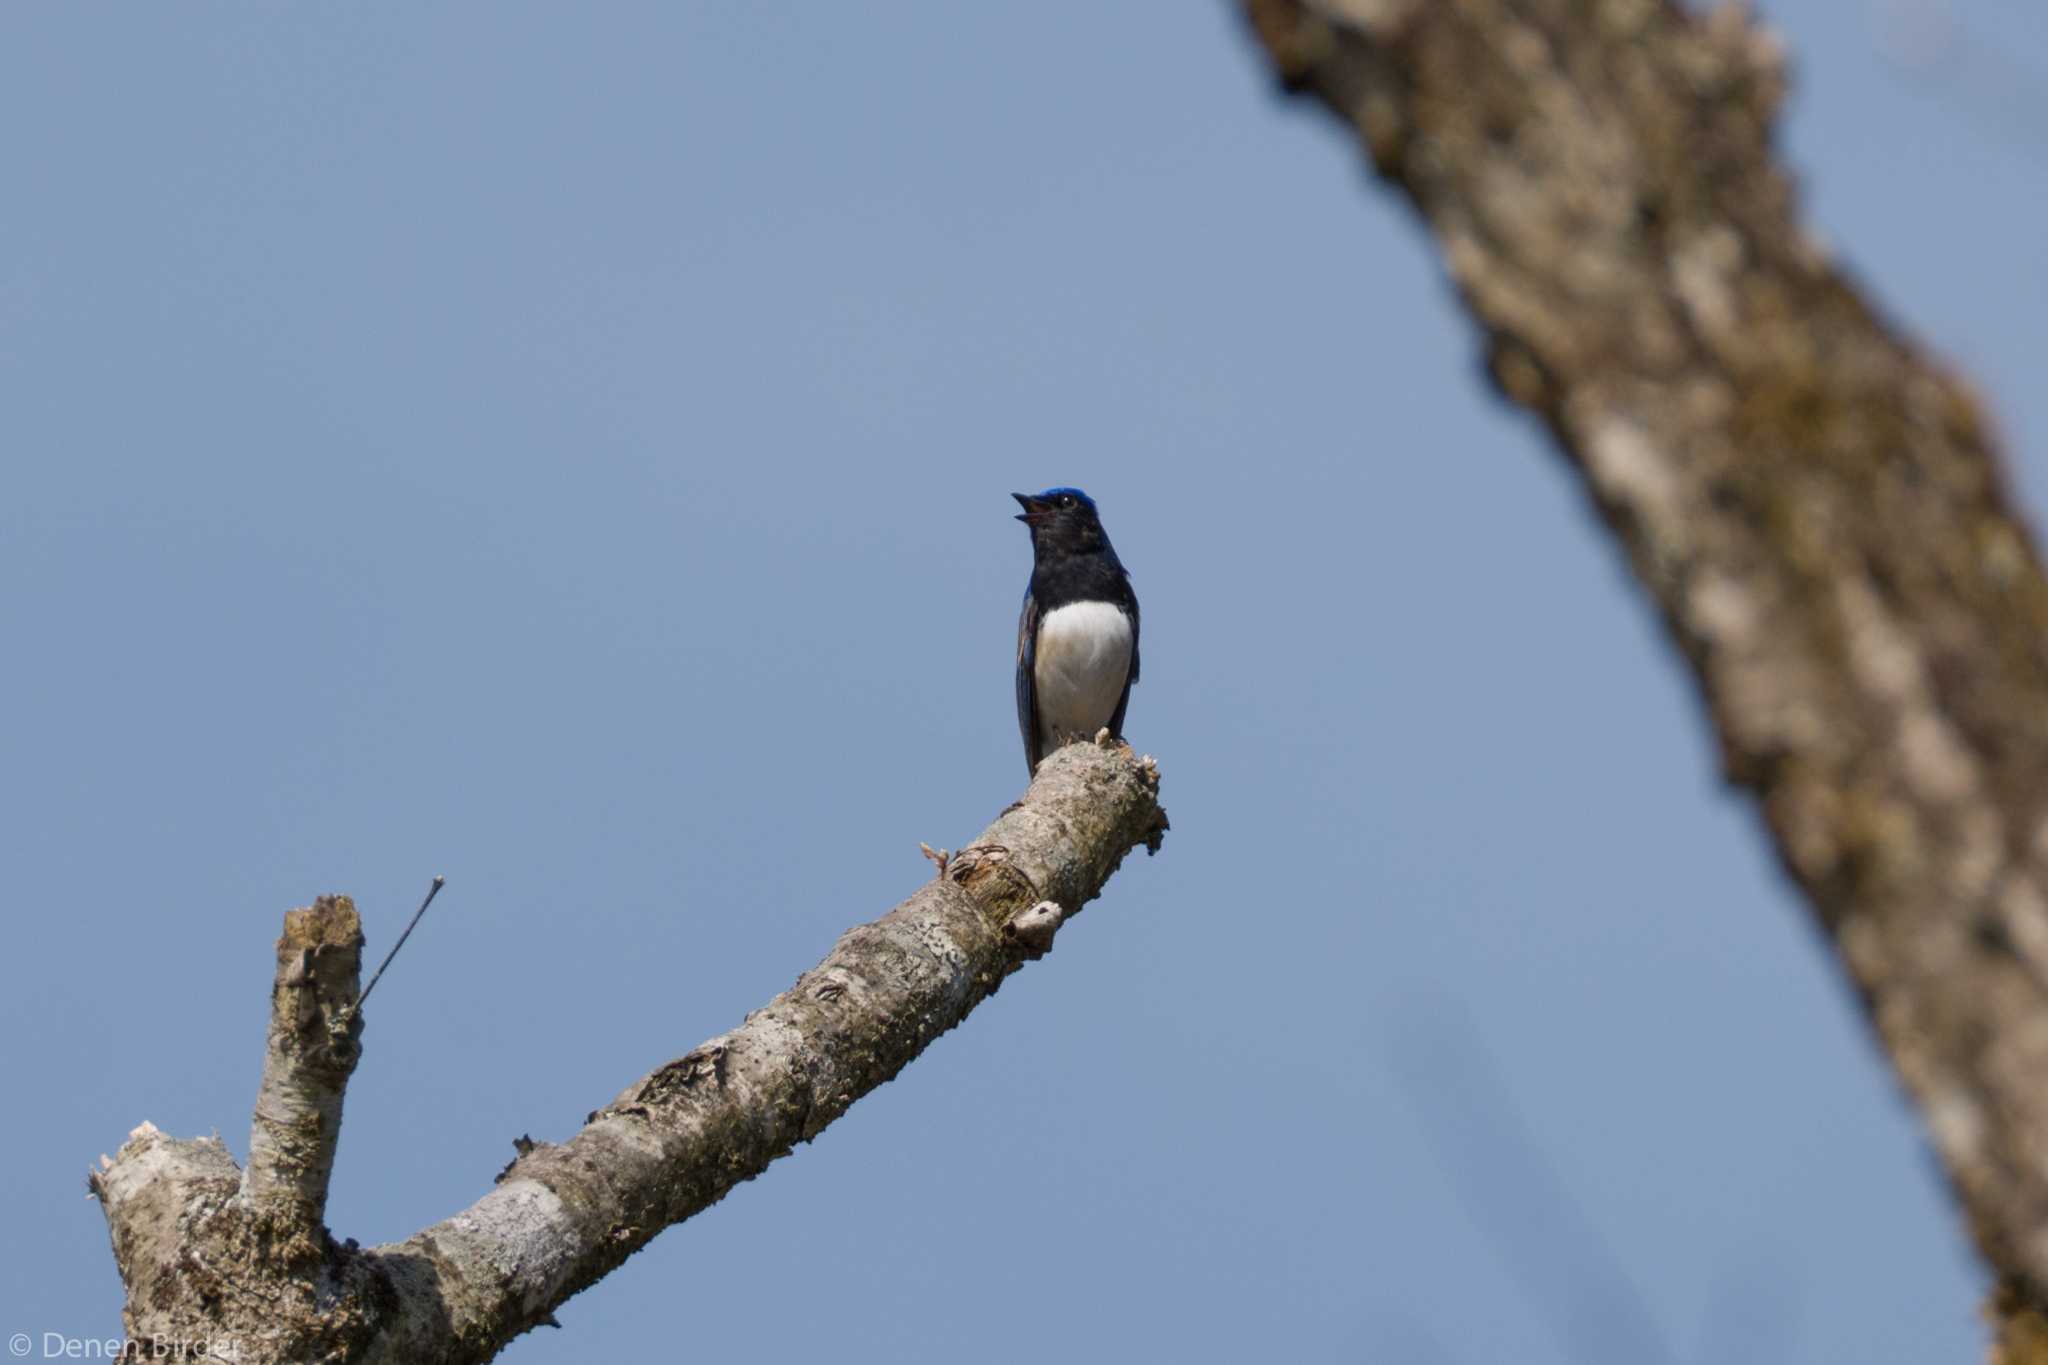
(313, 1046)
(242, 1262)
(1816, 506)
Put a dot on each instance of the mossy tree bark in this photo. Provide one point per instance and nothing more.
(1815, 504)
(240, 1263)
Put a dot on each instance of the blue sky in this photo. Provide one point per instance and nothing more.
(567, 450)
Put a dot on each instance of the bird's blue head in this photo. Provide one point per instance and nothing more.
(1040, 508)
(1062, 518)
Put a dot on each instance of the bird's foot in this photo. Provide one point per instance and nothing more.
(1105, 740)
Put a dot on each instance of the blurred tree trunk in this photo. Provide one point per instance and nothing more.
(1816, 505)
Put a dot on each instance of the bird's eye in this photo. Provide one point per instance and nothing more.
(1066, 500)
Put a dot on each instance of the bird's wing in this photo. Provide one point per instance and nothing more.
(1116, 719)
(1027, 687)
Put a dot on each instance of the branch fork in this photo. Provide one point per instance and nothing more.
(212, 1252)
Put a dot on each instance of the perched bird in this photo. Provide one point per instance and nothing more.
(1077, 641)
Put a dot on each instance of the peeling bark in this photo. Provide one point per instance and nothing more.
(1815, 505)
(240, 1263)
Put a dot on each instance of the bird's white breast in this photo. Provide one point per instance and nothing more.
(1084, 655)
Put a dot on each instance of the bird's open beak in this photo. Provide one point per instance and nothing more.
(1034, 509)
